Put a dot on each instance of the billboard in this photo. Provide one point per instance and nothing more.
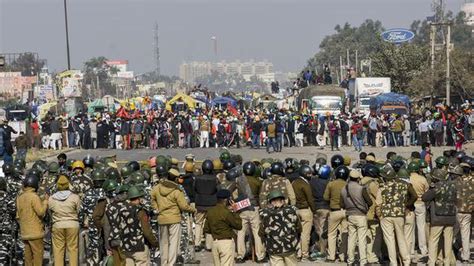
(71, 87)
(370, 87)
(12, 83)
(397, 35)
(44, 93)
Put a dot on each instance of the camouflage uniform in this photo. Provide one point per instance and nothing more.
(81, 184)
(279, 230)
(276, 182)
(114, 212)
(8, 226)
(48, 184)
(146, 205)
(465, 207)
(14, 187)
(186, 242)
(89, 202)
(391, 200)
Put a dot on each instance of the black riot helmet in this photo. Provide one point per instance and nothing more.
(336, 161)
(277, 169)
(207, 167)
(306, 172)
(31, 181)
(342, 172)
(227, 165)
(88, 161)
(249, 169)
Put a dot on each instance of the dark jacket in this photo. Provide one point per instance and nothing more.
(221, 223)
(188, 185)
(205, 190)
(304, 195)
(318, 186)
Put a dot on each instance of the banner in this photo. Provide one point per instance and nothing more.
(71, 88)
(45, 93)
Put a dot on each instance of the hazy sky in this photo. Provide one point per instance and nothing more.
(285, 32)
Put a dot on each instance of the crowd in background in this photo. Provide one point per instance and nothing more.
(254, 128)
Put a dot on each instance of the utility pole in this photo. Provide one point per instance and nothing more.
(340, 67)
(347, 55)
(156, 50)
(432, 39)
(357, 63)
(448, 76)
(67, 36)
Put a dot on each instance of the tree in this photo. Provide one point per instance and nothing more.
(365, 39)
(27, 63)
(97, 75)
(402, 63)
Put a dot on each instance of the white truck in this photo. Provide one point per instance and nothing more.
(367, 88)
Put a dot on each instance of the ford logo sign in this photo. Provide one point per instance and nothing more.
(397, 35)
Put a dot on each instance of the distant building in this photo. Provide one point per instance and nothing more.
(468, 8)
(189, 71)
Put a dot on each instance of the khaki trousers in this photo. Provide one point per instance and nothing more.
(170, 235)
(34, 250)
(464, 227)
(223, 252)
(409, 230)
(139, 258)
(65, 238)
(357, 228)
(392, 229)
(250, 219)
(306, 219)
(374, 242)
(320, 220)
(119, 257)
(286, 260)
(200, 220)
(420, 216)
(336, 222)
(435, 235)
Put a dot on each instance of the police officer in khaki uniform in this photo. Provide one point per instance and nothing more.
(356, 202)
(250, 216)
(306, 208)
(221, 223)
(337, 216)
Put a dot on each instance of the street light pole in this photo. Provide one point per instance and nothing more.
(67, 37)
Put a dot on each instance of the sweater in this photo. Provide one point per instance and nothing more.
(64, 207)
(355, 199)
(30, 212)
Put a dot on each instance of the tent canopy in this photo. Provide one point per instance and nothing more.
(96, 104)
(224, 100)
(180, 97)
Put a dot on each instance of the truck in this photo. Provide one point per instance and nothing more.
(322, 99)
(368, 88)
(390, 103)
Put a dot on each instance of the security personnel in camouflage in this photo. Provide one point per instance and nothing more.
(392, 200)
(277, 181)
(280, 229)
(465, 207)
(137, 234)
(113, 212)
(7, 224)
(14, 176)
(49, 180)
(81, 183)
(99, 217)
(89, 202)
(442, 198)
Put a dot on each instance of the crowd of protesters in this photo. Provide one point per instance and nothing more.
(440, 126)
